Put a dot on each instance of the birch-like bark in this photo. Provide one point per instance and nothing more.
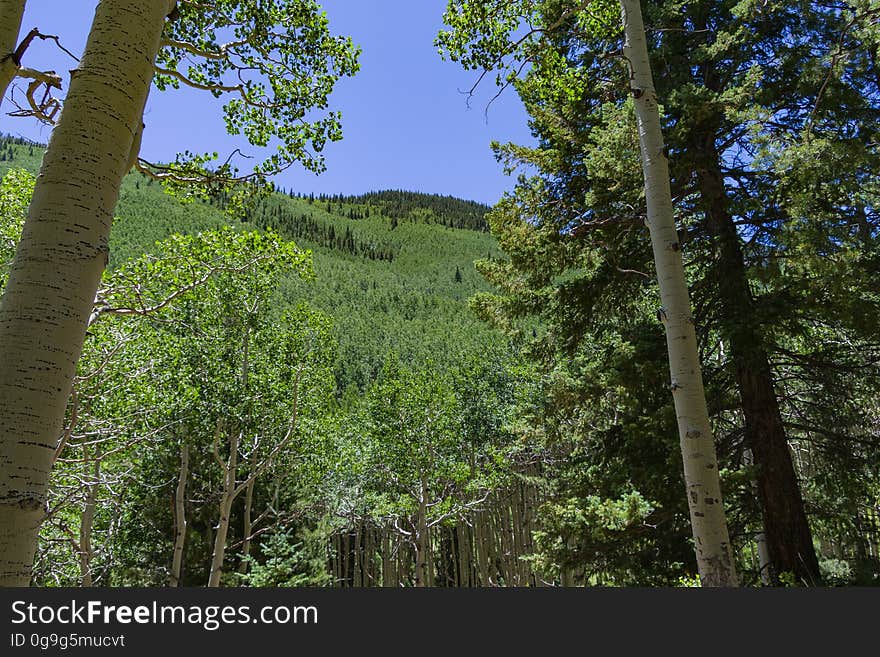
(87, 524)
(402, 575)
(708, 522)
(61, 256)
(421, 542)
(226, 500)
(357, 574)
(247, 527)
(180, 516)
(385, 545)
(463, 565)
(11, 14)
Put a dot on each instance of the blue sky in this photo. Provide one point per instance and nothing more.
(406, 123)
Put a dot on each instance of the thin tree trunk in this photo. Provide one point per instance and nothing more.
(11, 14)
(180, 516)
(226, 501)
(708, 522)
(492, 540)
(86, 525)
(517, 528)
(505, 549)
(386, 570)
(430, 557)
(60, 258)
(247, 526)
(401, 570)
(421, 542)
(480, 549)
(346, 539)
(368, 560)
(358, 576)
(336, 547)
(464, 562)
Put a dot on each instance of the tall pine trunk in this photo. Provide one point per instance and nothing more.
(11, 14)
(62, 253)
(708, 522)
(786, 528)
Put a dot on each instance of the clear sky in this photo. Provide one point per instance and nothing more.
(405, 119)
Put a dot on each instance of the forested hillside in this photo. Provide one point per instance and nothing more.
(654, 361)
(393, 293)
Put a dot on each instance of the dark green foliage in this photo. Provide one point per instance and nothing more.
(418, 207)
(290, 558)
(771, 114)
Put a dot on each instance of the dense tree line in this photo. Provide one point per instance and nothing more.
(401, 205)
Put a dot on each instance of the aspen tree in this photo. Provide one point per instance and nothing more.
(11, 14)
(484, 41)
(60, 258)
(64, 247)
(711, 540)
(180, 516)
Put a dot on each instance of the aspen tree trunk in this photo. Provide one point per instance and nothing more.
(86, 525)
(61, 256)
(765, 564)
(226, 501)
(11, 14)
(358, 572)
(421, 543)
(336, 546)
(369, 560)
(454, 576)
(504, 550)
(401, 568)
(180, 516)
(567, 574)
(491, 535)
(516, 524)
(708, 522)
(384, 546)
(247, 526)
(464, 577)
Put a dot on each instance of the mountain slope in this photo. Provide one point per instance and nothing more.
(391, 270)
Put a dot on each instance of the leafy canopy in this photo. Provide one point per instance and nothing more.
(276, 62)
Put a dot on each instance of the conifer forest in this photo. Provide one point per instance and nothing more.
(654, 361)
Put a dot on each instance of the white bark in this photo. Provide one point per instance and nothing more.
(765, 564)
(226, 500)
(247, 527)
(86, 525)
(180, 516)
(421, 539)
(60, 259)
(712, 543)
(11, 14)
